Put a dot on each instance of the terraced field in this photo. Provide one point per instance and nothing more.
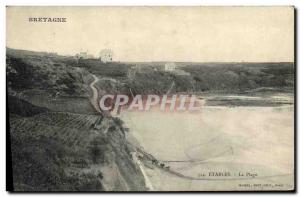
(71, 129)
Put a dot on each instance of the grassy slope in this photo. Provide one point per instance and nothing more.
(57, 142)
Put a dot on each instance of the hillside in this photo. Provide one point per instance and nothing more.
(238, 78)
(58, 141)
(71, 152)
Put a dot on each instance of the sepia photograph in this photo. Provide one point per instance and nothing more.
(150, 98)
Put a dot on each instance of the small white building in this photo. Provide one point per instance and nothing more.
(170, 66)
(106, 55)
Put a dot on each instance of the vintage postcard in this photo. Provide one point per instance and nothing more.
(108, 99)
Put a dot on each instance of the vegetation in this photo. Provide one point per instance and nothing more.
(241, 77)
(57, 141)
(199, 78)
(39, 163)
(45, 145)
(40, 73)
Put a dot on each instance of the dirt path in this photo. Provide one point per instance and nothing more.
(139, 163)
(94, 99)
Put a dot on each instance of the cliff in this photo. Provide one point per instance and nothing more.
(58, 141)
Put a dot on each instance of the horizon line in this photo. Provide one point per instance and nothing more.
(155, 61)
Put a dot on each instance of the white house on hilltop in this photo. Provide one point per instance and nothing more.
(170, 66)
(106, 55)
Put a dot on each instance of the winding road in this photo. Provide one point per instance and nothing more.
(94, 99)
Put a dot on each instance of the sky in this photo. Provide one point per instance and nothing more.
(186, 34)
